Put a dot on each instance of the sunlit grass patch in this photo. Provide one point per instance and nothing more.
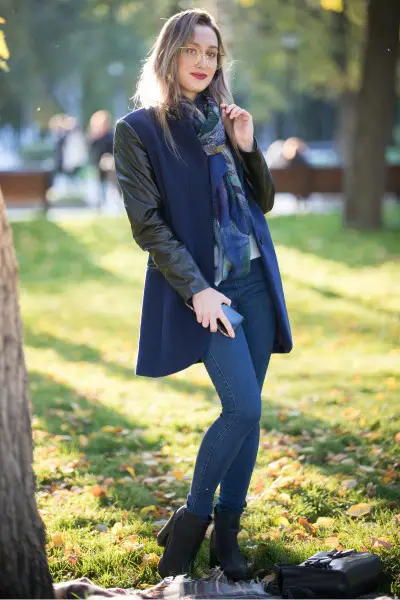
(114, 453)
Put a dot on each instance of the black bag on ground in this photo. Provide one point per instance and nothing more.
(334, 574)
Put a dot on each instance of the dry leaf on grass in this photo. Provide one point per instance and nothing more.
(147, 509)
(333, 542)
(324, 522)
(97, 490)
(359, 510)
(376, 542)
(57, 540)
(151, 559)
(307, 525)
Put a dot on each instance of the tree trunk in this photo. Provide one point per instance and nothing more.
(365, 176)
(344, 129)
(24, 568)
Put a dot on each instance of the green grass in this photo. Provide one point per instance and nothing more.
(114, 454)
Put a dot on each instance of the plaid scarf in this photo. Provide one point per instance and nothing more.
(231, 213)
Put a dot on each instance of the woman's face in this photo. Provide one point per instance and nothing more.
(204, 39)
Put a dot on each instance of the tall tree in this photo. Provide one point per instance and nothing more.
(365, 176)
(24, 567)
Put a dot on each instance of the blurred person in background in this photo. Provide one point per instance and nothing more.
(70, 145)
(282, 154)
(289, 153)
(294, 152)
(196, 189)
(294, 155)
(71, 153)
(100, 135)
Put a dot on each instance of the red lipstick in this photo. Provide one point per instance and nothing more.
(199, 75)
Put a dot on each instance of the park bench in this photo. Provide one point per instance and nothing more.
(303, 180)
(25, 188)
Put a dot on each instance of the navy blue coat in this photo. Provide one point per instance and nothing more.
(170, 337)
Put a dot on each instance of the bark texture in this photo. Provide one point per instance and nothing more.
(24, 567)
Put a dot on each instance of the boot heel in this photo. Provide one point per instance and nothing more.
(163, 534)
(213, 562)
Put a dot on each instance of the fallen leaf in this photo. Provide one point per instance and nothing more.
(129, 546)
(259, 486)
(151, 559)
(273, 534)
(284, 498)
(351, 413)
(331, 540)
(359, 510)
(147, 509)
(83, 440)
(389, 475)
(57, 539)
(349, 484)
(324, 522)
(282, 521)
(71, 553)
(109, 481)
(376, 542)
(97, 490)
(299, 533)
(276, 465)
(131, 471)
(307, 525)
(117, 529)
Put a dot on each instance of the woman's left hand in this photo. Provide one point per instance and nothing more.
(243, 127)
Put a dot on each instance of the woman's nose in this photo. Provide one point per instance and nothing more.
(199, 58)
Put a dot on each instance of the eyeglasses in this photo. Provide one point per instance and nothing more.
(193, 56)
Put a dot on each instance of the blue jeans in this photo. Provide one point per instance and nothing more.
(237, 367)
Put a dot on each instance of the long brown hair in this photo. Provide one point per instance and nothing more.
(158, 85)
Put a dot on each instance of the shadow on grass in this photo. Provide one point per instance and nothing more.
(331, 294)
(47, 253)
(64, 412)
(325, 236)
(51, 389)
(73, 352)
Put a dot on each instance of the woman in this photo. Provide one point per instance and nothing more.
(100, 137)
(196, 188)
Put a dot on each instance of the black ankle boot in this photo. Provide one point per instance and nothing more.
(181, 536)
(224, 547)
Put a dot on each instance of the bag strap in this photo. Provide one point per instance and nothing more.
(323, 561)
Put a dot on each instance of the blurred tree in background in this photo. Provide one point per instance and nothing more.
(295, 64)
(79, 54)
(365, 177)
(302, 63)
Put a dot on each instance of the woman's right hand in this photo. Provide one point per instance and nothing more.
(207, 306)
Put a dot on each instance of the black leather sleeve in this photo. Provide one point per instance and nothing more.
(259, 177)
(143, 202)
